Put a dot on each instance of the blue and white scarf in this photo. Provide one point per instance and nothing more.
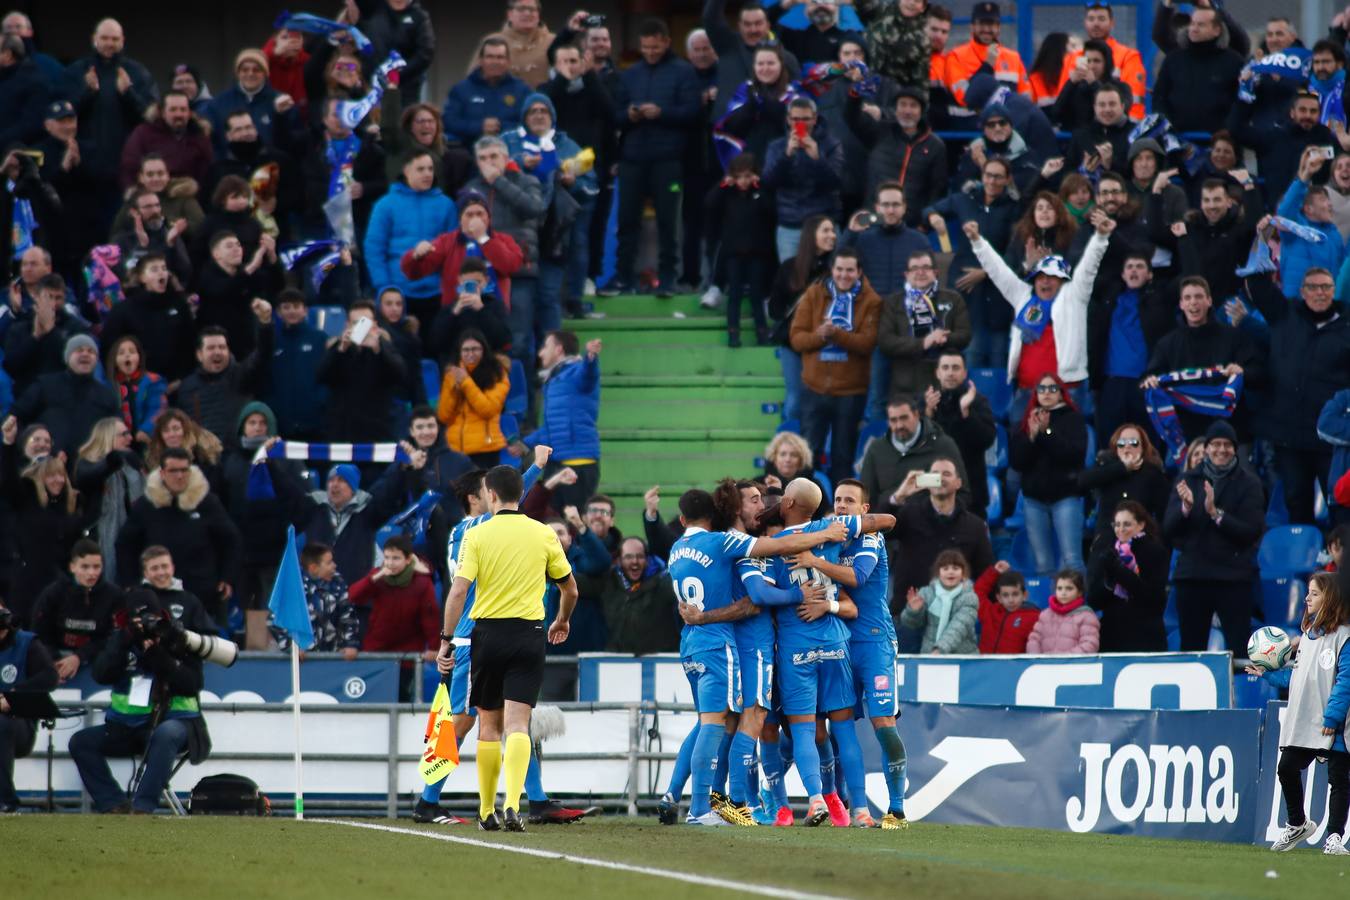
(1331, 95)
(351, 112)
(341, 155)
(839, 314)
(312, 24)
(1297, 229)
(920, 309)
(1206, 391)
(260, 480)
(543, 147)
(23, 224)
(1033, 317)
(328, 253)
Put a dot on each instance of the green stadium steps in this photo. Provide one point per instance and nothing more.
(678, 408)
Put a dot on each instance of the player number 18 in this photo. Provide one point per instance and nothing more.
(690, 590)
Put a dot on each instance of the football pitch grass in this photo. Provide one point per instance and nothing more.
(206, 858)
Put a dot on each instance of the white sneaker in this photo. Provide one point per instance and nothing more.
(712, 298)
(1333, 846)
(589, 289)
(1292, 835)
(708, 818)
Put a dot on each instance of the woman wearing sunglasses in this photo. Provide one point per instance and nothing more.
(1128, 468)
(1048, 450)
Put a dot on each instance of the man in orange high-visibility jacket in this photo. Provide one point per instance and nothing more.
(1128, 65)
(983, 51)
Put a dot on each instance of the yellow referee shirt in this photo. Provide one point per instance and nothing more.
(510, 556)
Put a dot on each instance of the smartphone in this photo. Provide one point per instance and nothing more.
(469, 287)
(800, 130)
(1327, 152)
(928, 480)
(595, 20)
(362, 329)
(38, 157)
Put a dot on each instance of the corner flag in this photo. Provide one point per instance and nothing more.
(288, 606)
(291, 613)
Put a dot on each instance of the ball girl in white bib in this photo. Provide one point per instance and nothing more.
(1314, 726)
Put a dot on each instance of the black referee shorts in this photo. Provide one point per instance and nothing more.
(506, 662)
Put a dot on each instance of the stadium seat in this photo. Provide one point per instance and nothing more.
(431, 380)
(994, 514)
(996, 455)
(1321, 514)
(518, 398)
(1289, 550)
(993, 383)
(792, 425)
(1018, 517)
(1277, 514)
(1020, 553)
(331, 320)
(870, 431)
(1282, 601)
(1038, 590)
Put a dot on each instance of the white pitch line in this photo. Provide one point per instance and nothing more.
(686, 877)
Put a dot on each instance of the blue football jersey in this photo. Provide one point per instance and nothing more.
(701, 572)
(794, 634)
(756, 632)
(867, 557)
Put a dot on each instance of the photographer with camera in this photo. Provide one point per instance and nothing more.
(155, 675)
(25, 666)
(184, 607)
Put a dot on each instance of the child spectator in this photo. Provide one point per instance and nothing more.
(946, 608)
(1068, 625)
(1005, 619)
(740, 220)
(1313, 726)
(336, 626)
(404, 617)
(1334, 548)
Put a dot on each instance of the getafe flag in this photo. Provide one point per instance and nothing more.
(441, 755)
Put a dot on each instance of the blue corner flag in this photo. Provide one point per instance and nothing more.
(288, 606)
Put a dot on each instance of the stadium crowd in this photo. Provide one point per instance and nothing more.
(1051, 302)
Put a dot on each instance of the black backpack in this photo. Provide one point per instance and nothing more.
(228, 795)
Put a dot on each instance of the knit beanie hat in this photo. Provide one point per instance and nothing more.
(348, 473)
(254, 54)
(75, 343)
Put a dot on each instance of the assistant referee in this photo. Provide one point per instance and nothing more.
(509, 556)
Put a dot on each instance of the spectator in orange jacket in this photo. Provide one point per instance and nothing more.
(400, 600)
(473, 395)
(983, 52)
(1005, 619)
(1127, 65)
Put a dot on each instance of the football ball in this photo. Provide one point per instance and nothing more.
(1268, 648)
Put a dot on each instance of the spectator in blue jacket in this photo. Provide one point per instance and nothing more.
(489, 101)
(658, 107)
(569, 406)
(275, 115)
(1310, 207)
(23, 94)
(293, 389)
(806, 169)
(414, 210)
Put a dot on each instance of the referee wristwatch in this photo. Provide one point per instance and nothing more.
(447, 638)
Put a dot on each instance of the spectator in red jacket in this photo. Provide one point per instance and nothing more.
(473, 238)
(286, 58)
(176, 136)
(401, 600)
(1005, 619)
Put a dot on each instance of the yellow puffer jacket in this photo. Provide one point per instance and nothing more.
(471, 415)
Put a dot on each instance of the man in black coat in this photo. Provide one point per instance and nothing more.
(967, 418)
(68, 166)
(214, 394)
(1107, 138)
(1309, 362)
(179, 512)
(362, 379)
(1201, 341)
(69, 402)
(156, 314)
(928, 521)
(23, 94)
(35, 344)
(74, 616)
(1198, 81)
(1280, 147)
(904, 149)
(405, 26)
(1221, 232)
(1214, 520)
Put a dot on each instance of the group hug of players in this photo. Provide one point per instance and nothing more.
(788, 631)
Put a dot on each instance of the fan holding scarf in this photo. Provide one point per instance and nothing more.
(835, 331)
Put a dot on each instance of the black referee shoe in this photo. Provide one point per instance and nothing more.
(492, 823)
(511, 820)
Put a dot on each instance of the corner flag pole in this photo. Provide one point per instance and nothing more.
(295, 709)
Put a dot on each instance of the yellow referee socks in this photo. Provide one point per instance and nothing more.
(489, 767)
(517, 762)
